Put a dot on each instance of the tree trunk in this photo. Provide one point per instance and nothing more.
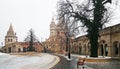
(94, 43)
(94, 31)
(31, 48)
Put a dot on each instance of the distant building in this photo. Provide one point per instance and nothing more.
(109, 41)
(57, 40)
(12, 45)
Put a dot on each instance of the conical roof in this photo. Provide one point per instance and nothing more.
(10, 31)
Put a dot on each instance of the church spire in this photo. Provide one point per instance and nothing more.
(52, 19)
(11, 36)
(52, 23)
(11, 31)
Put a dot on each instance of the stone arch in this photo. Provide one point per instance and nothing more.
(102, 41)
(103, 48)
(9, 49)
(24, 49)
(116, 46)
(80, 48)
(14, 48)
(84, 49)
(106, 50)
(89, 48)
(75, 49)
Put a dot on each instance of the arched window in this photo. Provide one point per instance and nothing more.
(116, 47)
(19, 50)
(11, 40)
(8, 40)
(103, 48)
(80, 50)
(106, 50)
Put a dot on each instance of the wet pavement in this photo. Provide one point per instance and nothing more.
(66, 64)
(115, 64)
(72, 64)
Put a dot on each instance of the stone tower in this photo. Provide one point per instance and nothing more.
(53, 28)
(11, 36)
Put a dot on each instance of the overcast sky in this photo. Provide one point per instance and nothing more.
(27, 14)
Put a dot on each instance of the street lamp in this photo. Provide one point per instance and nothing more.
(69, 54)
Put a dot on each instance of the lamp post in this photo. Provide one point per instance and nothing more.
(68, 45)
(69, 54)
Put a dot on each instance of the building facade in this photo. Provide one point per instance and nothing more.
(12, 45)
(109, 43)
(56, 41)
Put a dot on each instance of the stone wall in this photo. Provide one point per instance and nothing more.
(109, 43)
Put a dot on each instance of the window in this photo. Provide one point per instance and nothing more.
(116, 49)
(11, 40)
(8, 40)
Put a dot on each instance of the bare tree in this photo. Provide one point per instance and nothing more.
(31, 38)
(68, 31)
(90, 14)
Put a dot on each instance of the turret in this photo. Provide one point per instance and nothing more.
(52, 28)
(11, 36)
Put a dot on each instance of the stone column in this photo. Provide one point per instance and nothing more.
(119, 50)
(109, 51)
